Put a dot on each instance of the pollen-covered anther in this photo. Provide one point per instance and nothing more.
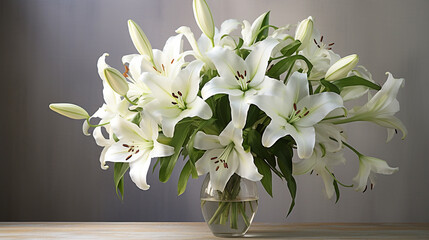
(172, 61)
(294, 106)
(180, 93)
(217, 168)
(126, 71)
(174, 95)
(128, 157)
(213, 158)
(163, 68)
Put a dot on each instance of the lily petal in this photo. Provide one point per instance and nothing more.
(247, 168)
(319, 106)
(138, 171)
(239, 108)
(304, 138)
(206, 142)
(257, 61)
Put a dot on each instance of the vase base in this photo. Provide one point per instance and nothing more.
(229, 235)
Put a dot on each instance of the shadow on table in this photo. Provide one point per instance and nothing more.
(329, 234)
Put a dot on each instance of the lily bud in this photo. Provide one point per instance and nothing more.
(140, 41)
(204, 18)
(304, 31)
(116, 81)
(342, 67)
(69, 110)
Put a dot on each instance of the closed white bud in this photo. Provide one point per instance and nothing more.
(204, 18)
(342, 67)
(116, 81)
(69, 110)
(304, 31)
(140, 41)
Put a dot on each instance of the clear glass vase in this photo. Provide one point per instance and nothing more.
(229, 213)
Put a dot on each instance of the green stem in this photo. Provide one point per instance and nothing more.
(97, 125)
(335, 117)
(352, 148)
(132, 103)
(233, 216)
(243, 214)
(337, 179)
(251, 207)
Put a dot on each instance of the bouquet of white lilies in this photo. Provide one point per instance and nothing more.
(237, 105)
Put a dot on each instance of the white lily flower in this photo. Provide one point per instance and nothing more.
(342, 67)
(240, 79)
(164, 63)
(304, 32)
(204, 18)
(69, 110)
(319, 54)
(250, 32)
(321, 162)
(380, 109)
(326, 155)
(113, 105)
(367, 166)
(140, 41)
(295, 112)
(137, 145)
(225, 156)
(204, 44)
(176, 98)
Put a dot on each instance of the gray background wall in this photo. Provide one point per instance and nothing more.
(48, 53)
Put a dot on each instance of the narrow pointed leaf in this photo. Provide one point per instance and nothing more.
(291, 48)
(264, 33)
(119, 171)
(183, 178)
(181, 134)
(330, 87)
(265, 170)
(282, 149)
(355, 81)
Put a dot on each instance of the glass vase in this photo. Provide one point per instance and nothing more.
(229, 213)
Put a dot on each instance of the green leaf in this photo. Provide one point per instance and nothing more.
(283, 150)
(254, 140)
(137, 118)
(355, 81)
(267, 179)
(223, 112)
(240, 44)
(119, 170)
(285, 64)
(243, 53)
(183, 178)
(264, 33)
(337, 191)
(253, 115)
(195, 154)
(181, 134)
(290, 48)
(330, 87)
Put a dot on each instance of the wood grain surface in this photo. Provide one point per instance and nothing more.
(198, 230)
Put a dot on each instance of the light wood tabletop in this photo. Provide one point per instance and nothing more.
(199, 230)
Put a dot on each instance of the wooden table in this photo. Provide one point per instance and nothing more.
(187, 230)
